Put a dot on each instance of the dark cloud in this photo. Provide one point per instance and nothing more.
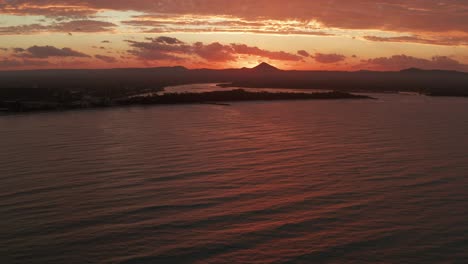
(328, 58)
(107, 59)
(303, 53)
(157, 49)
(23, 29)
(165, 40)
(166, 48)
(214, 52)
(274, 55)
(48, 51)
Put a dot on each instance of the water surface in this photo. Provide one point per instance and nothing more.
(211, 87)
(340, 181)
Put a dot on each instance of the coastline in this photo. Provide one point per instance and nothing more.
(213, 98)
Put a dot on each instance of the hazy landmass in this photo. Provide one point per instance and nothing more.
(89, 88)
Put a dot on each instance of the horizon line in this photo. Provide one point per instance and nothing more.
(220, 69)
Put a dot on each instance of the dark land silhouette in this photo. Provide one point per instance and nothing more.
(234, 95)
(49, 89)
(214, 97)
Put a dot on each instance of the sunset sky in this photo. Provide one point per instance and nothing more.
(292, 34)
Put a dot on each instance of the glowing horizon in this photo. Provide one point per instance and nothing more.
(303, 35)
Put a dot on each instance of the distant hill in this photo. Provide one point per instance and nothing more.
(116, 83)
(417, 70)
(265, 67)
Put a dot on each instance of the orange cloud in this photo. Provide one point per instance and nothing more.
(328, 58)
(46, 8)
(172, 49)
(43, 52)
(195, 23)
(255, 51)
(87, 26)
(439, 40)
(214, 52)
(161, 48)
(107, 59)
(351, 14)
(438, 22)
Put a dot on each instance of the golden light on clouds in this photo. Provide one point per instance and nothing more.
(360, 33)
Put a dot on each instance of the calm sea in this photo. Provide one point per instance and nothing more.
(341, 181)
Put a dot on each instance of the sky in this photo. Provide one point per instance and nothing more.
(349, 35)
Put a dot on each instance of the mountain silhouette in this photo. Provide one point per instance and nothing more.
(418, 70)
(265, 67)
(37, 85)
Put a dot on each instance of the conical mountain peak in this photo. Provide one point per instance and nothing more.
(265, 67)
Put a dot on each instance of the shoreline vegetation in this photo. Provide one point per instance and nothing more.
(236, 96)
(214, 98)
(40, 90)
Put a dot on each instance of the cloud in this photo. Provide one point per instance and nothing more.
(214, 52)
(303, 53)
(351, 14)
(166, 40)
(398, 62)
(432, 22)
(438, 40)
(274, 55)
(9, 63)
(104, 58)
(47, 51)
(159, 49)
(85, 26)
(88, 26)
(52, 8)
(23, 29)
(204, 23)
(166, 48)
(328, 58)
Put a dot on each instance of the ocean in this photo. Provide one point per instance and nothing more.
(332, 181)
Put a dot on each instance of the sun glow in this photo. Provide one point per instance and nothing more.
(328, 36)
